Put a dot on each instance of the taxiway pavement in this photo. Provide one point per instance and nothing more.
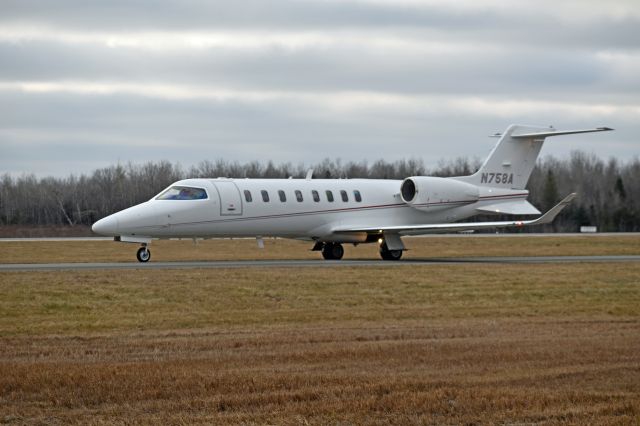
(319, 263)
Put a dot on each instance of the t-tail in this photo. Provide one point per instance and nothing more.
(512, 160)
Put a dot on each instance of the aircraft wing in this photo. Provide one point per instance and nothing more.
(548, 217)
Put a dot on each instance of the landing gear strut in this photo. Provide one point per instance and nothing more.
(387, 254)
(332, 251)
(144, 254)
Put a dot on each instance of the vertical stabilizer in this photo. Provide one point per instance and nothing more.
(512, 160)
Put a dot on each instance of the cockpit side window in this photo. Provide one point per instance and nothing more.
(183, 193)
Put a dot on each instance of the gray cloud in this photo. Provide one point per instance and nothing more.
(198, 14)
(314, 69)
(84, 84)
(545, 24)
(60, 133)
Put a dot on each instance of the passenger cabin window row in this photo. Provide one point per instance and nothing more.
(315, 195)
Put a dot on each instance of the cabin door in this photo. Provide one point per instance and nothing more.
(230, 201)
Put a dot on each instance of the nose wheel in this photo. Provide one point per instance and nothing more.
(144, 254)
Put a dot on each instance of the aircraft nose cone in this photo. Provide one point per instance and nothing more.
(106, 226)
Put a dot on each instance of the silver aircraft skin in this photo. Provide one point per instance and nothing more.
(332, 212)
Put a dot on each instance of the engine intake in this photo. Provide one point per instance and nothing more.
(431, 193)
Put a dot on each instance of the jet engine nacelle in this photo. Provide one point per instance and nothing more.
(433, 193)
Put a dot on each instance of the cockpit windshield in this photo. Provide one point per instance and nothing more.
(183, 193)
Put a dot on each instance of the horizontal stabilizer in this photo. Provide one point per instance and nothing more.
(541, 135)
(513, 207)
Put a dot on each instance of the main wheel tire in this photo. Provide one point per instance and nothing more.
(326, 251)
(387, 254)
(338, 251)
(143, 254)
(332, 251)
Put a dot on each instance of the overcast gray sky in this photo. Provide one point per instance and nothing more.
(88, 83)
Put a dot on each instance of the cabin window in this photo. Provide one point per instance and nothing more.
(299, 196)
(357, 195)
(282, 196)
(247, 196)
(329, 196)
(183, 193)
(316, 196)
(344, 196)
(265, 196)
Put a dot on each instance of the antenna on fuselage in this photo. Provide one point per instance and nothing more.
(309, 174)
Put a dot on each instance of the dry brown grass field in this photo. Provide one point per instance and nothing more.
(438, 344)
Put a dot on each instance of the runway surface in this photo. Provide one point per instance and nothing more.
(311, 263)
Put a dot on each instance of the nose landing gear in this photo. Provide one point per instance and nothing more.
(143, 254)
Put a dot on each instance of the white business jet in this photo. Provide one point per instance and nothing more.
(332, 212)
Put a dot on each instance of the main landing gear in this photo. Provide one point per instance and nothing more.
(332, 251)
(143, 254)
(335, 251)
(387, 254)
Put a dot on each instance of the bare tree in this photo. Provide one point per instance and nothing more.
(609, 191)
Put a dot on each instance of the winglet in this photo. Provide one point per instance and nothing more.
(549, 216)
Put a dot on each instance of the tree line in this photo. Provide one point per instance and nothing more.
(609, 191)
